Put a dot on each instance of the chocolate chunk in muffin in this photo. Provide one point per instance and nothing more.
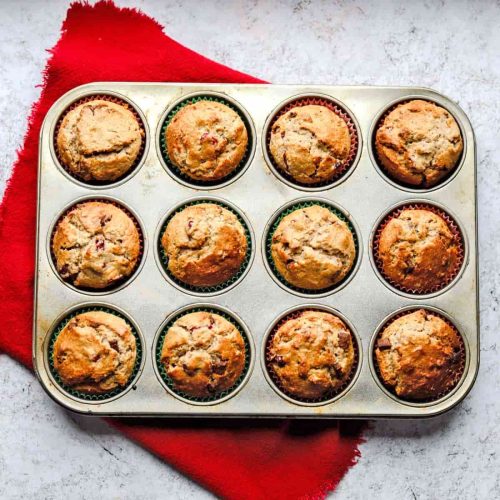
(310, 143)
(99, 140)
(419, 356)
(312, 248)
(95, 245)
(417, 251)
(95, 352)
(205, 244)
(206, 140)
(312, 354)
(419, 143)
(203, 354)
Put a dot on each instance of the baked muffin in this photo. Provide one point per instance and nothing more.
(203, 354)
(99, 140)
(417, 251)
(419, 143)
(205, 244)
(312, 354)
(310, 143)
(419, 356)
(95, 352)
(312, 248)
(206, 140)
(95, 245)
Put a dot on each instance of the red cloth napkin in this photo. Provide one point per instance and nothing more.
(233, 458)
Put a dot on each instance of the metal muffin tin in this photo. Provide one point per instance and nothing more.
(366, 301)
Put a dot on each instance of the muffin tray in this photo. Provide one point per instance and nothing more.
(257, 300)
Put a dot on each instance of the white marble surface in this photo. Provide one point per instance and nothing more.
(452, 46)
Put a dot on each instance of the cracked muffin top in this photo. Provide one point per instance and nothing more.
(419, 143)
(95, 352)
(418, 251)
(312, 248)
(419, 356)
(206, 140)
(95, 245)
(99, 140)
(312, 354)
(310, 143)
(205, 244)
(203, 354)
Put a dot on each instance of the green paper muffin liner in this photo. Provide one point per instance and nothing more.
(170, 383)
(176, 170)
(101, 97)
(329, 395)
(452, 226)
(205, 289)
(83, 395)
(339, 111)
(274, 226)
(461, 366)
(118, 283)
(380, 165)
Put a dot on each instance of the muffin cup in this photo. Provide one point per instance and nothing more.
(454, 228)
(119, 284)
(268, 239)
(117, 100)
(176, 172)
(386, 174)
(271, 376)
(87, 397)
(168, 383)
(332, 105)
(225, 285)
(389, 390)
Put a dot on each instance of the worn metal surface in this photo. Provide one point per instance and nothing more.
(148, 299)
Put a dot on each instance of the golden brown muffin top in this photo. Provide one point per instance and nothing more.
(95, 352)
(206, 140)
(419, 356)
(310, 143)
(312, 248)
(418, 251)
(205, 244)
(99, 140)
(419, 143)
(312, 354)
(96, 244)
(203, 354)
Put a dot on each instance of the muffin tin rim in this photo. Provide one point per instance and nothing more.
(90, 93)
(465, 241)
(371, 361)
(319, 307)
(185, 309)
(305, 188)
(98, 292)
(352, 272)
(437, 99)
(186, 202)
(45, 348)
(251, 130)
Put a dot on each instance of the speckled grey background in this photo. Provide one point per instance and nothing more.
(452, 46)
